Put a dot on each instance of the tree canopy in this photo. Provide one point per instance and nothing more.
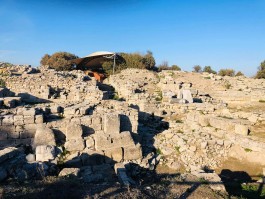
(59, 60)
(261, 71)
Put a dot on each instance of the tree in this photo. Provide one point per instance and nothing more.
(197, 68)
(175, 67)
(261, 71)
(59, 60)
(226, 72)
(130, 60)
(239, 73)
(208, 69)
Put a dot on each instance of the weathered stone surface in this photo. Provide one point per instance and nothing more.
(187, 96)
(70, 172)
(44, 136)
(30, 157)
(241, 129)
(45, 153)
(132, 153)
(75, 145)
(73, 131)
(112, 123)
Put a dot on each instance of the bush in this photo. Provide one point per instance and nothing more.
(2, 83)
(197, 68)
(226, 72)
(208, 69)
(175, 67)
(261, 72)
(130, 60)
(164, 66)
(59, 60)
(239, 73)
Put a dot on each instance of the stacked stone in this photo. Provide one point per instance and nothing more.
(19, 128)
(51, 85)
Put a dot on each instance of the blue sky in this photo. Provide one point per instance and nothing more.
(219, 33)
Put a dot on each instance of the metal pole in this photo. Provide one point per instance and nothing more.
(114, 63)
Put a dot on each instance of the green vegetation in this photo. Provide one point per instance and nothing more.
(203, 181)
(179, 121)
(59, 61)
(180, 131)
(207, 77)
(197, 69)
(262, 101)
(239, 73)
(261, 71)
(227, 85)
(177, 149)
(225, 117)
(2, 83)
(130, 60)
(227, 72)
(158, 151)
(159, 96)
(164, 66)
(208, 69)
(252, 191)
(248, 150)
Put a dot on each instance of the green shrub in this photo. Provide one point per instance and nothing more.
(208, 69)
(226, 72)
(248, 150)
(239, 73)
(197, 68)
(59, 61)
(2, 83)
(175, 67)
(262, 101)
(261, 71)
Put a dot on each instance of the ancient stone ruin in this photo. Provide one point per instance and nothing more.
(66, 123)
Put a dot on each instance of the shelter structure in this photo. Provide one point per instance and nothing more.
(92, 63)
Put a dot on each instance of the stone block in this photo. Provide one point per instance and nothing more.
(70, 172)
(75, 145)
(92, 158)
(90, 143)
(186, 94)
(102, 142)
(241, 129)
(29, 119)
(132, 152)
(4, 130)
(123, 140)
(29, 111)
(44, 136)
(18, 120)
(86, 120)
(45, 153)
(73, 131)
(38, 119)
(13, 135)
(96, 120)
(114, 154)
(111, 123)
(8, 120)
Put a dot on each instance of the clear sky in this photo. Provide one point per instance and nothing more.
(219, 33)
